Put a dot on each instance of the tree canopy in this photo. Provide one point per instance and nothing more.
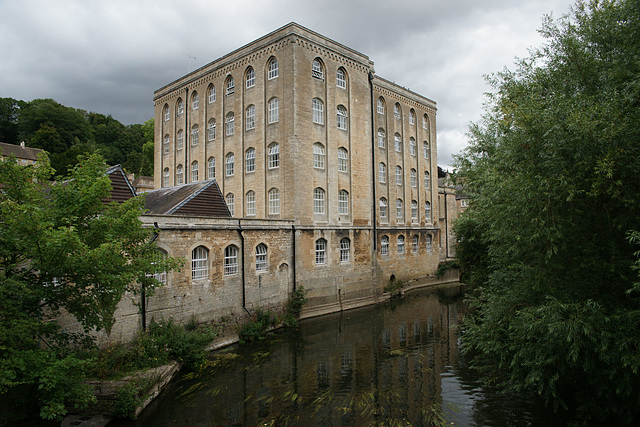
(550, 237)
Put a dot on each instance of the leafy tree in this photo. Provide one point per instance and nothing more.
(9, 129)
(553, 174)
(62, 250)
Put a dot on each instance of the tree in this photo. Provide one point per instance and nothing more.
(553, 174)
(63, 249)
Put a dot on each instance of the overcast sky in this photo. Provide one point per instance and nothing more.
(109, 56)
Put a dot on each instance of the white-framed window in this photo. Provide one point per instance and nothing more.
(212, 94)
(412, 117)
(412, 146)
(399, 209)
(316, 70)
(250, 121)
(414, 210)
(231, 260)
(167, 113)
(318, 201)
(250, 160)
(230, 86)
(165, 176)
(194, 135)
(382, 138)
(464, 203)
(211, 130)
(380, 105)
(165, 144)
(194, 171)
(231, 203)
(199, 263)
(342, 117)
(400, 244)
(180, 140)
(429, 243)
(274, 155)
(341, 78)
(382, 173)
(251, 203)
(398, 142)
(160, 276)
(414, 177)
(273, 69)
(318, 156)
(211, 168)
(274, 201)
(343, 202)
(273, 111)
(317, 106)
(397, 114)
(384, 245)
(398, 175)
(261, 257)
(427, 180)
(427, 211)
(343, 160)
(345, 250)
(179, 175)
(425, 150)
(230, 163)
(383, 207)
(321, 251)
(230, 123)
(425, 122)
(180, 108)
(415, 245)
(195, 101)
(251, 78)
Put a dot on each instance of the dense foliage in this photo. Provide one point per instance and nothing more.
(550, 237)
(62, 250)
(66, 132)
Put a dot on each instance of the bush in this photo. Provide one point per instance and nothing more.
(256, 328)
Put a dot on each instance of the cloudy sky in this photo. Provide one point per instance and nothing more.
(108, 56)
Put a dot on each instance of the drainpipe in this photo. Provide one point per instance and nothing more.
(143, 294)
(446, 226)
(373, 165)
(293, 250)
(244, 294)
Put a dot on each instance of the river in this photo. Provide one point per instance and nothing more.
(395, 363)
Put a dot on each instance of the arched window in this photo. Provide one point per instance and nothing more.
(274, 201)
(412, 117)
(382, 173)
(345, 250)
(251, 203)
(416, 246)
(231, 203)
(317, 106)
(397, 112)
(180, 140)
(343, 202)
(384, 245)
(342, 117)
(165, 176)
(321, 251)
(195, 101)
(383, 207)
(194, 135)
(318, 201)
(425, 122)
(212, 94)
(341, 78)
(211, 130)
(412, 146)
(194, 171)
(425, 150)
(273, 69)
(179, 175)
(274, 155)
(398, 142)
(180, 107)
(380, 105)
(231, 260)
(429, 243)
(414, 210)
(165, 144)
(382, 138)
(316, 69)
(166, 112)
(400, 244)
(230, 123)
(273, 111)
(427, 181)
(211, 168)
(230, 163)
(318, 156)
(261, 257)
(399, 209)
(160, 276)
(250, 122)
(230, 86)
(398, 175)
(250, 160)
(343, 160)
(414, 177)
(427, 211)
(199, 263)
(250, 78)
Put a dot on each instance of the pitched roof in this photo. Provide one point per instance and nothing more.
(19, 151)
(121, 188)
(202, 198)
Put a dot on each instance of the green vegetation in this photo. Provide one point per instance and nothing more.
(550, 239)
(66, 132)
(63, 249)
(393, 285)
(445, 266)
(296, 301)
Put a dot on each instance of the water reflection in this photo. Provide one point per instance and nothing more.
(391, 364)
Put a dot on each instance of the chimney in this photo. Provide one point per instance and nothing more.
(21, 143)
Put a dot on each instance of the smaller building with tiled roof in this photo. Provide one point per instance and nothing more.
(200, 198)
(24, 155)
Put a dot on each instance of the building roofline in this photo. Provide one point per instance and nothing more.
(401, 90)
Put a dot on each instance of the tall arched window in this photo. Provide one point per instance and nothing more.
(180, 140)
(212, 94)
(251, 203)
(194, 171)
(211, 168)
(429, 243)
(380, 106)
(211, 130)
(231, 203)
(194, 135)
(166, 112)
(230, 86)
(250, 160)
(261, 257)
(274, 155)
(165, 144)
(427, 211)
(414, 177)
(425, 150)
(231, 260)
(343, 160)
(382, 173)
(425, 122)
(412, 117)
(273, 69)
(230, 164)
(250, 121)
(318, 201)
(274, 201)
(179, 107)
(383, 207)
(401, 244)
(414, 210)
(399, 209)
(398, 175)
(273, 111)
(230, 123)
(341, 78)
(195, 101)
(398, 142)
(199, 263)
(165, 176)
(415, 245)
(250, 78)
(317, 106)
(343, 202)
(318, 156)
(382, 138)
(316, 69)
(179, 175)
(321, 251)
(427, 181)
(397, 112)
(384, 245)
(342, 117)
(345, 250)
(412, 146)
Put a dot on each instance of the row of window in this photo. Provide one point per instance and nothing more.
(400, 209)
(415, 246)
(397, 113)
(321, 251)
(250, 207)
(382, 176)
(397, 139)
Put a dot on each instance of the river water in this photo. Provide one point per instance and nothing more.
(395, 363)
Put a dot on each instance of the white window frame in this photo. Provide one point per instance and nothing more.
(384, 206)
(382, 173)
(412, 146)
(382, 138)
(230, 123)
(199, 263)
(343, 160)
(230, 86)
(425, 122)
(396, 112)
(167, 113)
(414, 210)
(194, 171)
(230, 164)
(273, 112)
(165, 175)
(211, 167)
(231, 260)
(231, 203)
(321, 251)
(261, 257)
(345, 250)
(165, 144)
(211, 130)
(274, 155)
(251, 203)
(341, 78)
(425, 150)
(400, 244)
(250, 120)
(317, 106)
(398, 175)
(180, 140)
(416, 244)
(427, 211)
(250, 79)
(397, 139)
(274, 201)
(195, 135)
(319, 201)
(414, 177)
(195, 101)
(429, 243)
(180, 109)
(384, 245)
(412, 117)
(179, 175)
(212, 94)
(399, 209)
(250, 160)
(380, 106)
(318, 156)
(343, 202)
(341, 117)
(317, 70)
(427, 180)
(273, 69)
